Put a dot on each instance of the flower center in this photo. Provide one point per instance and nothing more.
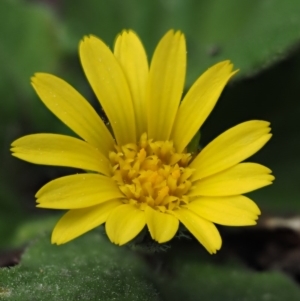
(152, 173)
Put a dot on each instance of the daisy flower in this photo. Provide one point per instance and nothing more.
(139, 174)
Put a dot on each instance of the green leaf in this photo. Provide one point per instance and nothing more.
(207, 282)
(89, 268)
(251, 33)
(29, 43)
(32, 228)
(9, 211)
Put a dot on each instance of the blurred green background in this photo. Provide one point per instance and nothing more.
(261, 38)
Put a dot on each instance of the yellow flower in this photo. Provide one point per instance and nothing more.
(141, 175)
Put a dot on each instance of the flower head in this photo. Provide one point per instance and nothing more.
(141, 174)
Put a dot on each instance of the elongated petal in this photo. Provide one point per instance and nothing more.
(110, 86)
(231, 147)
(60, 150)
(131, 55)
(239, 179)
(124, 223)
(79, 221)
(165, 85)
(205, 231)
(162, 226)
(229, 211)
(72, 109)
(78, 191)
(199, 102)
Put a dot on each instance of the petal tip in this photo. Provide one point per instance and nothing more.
(215, 250)
(54, 240)
(85, 40)
(272, 179)
(33, 78)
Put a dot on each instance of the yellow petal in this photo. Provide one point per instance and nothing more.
(229, 211)
(239, 179)
(78, 191)
(109, 83)
(162, 226)
(199, 102)
(125, 223)
(60, 150)
(72, 109)
(79, 221)
(231, 147)
(131, 55)
(205, 231)
(165, 85)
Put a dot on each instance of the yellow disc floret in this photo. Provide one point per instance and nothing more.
(152, 173)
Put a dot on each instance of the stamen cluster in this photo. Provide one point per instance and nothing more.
(152, 173)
